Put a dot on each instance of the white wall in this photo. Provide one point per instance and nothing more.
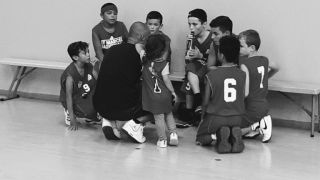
(42, 29)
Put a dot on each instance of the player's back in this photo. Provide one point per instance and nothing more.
(258, 76)
(227, 91)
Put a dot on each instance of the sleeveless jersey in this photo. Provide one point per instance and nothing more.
(156, 97)
(110, 39)
(258, 86)
(83, 88)
(258, 76)
(227, 86)
(204, 47)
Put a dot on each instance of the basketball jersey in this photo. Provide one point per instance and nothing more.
(204, 47)
(83, 87)
(156, 97)
(107, 39)
(227, 86)
(258, 76)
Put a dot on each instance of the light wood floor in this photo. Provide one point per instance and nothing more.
(35, 144)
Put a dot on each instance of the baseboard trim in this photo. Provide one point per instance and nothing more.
(39, 96)
(294, 124)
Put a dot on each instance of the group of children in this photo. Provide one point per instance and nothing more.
(226, 81)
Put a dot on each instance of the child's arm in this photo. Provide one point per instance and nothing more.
(245, 69)
(167, 82)
(97, 46)
(74, 124)
(273, 68)
(95, 73)
(212, 59)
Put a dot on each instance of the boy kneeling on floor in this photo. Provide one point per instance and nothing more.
(223, 103)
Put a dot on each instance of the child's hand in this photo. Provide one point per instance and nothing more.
(174, 98)
(194, 54)
(74, 125)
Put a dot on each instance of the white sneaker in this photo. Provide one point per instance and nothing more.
(251, 135)
(266, 128)
(66, 117)
(255, 126)
(135, 131)
(162, 143)
(173, 139)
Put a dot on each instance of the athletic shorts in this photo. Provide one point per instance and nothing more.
(196, 68)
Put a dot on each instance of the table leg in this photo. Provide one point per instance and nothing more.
(11, 94)
(314, 117)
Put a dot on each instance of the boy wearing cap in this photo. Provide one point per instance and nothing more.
(109, 31)
(196, 63)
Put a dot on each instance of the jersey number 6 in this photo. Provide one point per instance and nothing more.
(230, 93)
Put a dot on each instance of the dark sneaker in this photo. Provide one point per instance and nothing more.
(236, 139)
(111, 133)
(223, 145)
(182, 124)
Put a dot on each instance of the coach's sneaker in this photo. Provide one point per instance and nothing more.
(162, 143)
(173, 139)
(236, 140)
(223, 144)
(266, 128)
(135, 131)
(109, 130)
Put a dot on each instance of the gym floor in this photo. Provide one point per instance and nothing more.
(36, 144)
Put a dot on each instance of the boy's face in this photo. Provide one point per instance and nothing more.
(244, 48)
(217, 34)
(110, 16)
(83, 56)
(154, 25)
(196, 26)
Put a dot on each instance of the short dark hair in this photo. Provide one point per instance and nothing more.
(155, 46)
(223, 22)
(200, 14)
(154, 15)
(75, 48)
(230, 48)
(108, 6)
(251, 37)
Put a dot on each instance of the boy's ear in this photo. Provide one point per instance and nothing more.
(75, 58)
(252, 48)
(161, 26)
(227, 32)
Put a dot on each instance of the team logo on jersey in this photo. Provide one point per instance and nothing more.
(79, 84)
(89, 77)
(108, 43)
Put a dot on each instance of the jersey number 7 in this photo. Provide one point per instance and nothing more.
(261, 71)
